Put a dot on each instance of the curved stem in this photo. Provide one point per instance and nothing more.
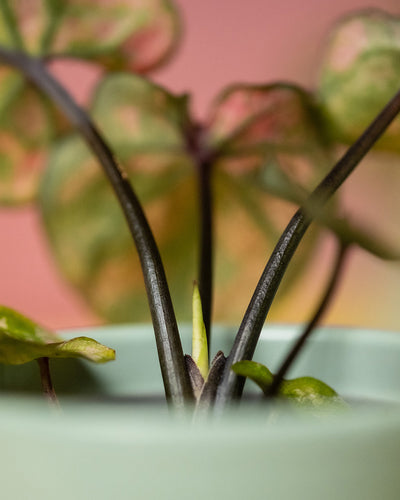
(316, 317)
(176, 380)
(256, 313)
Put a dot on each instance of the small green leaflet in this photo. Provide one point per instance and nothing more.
(22, 340)
(302, 390)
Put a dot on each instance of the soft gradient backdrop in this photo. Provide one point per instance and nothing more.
(224, 42)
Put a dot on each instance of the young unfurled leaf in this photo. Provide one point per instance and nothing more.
(22, 340)
(360, 73)
(199, 337)
(303, 390)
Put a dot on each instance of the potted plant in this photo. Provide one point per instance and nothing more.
(114, 435)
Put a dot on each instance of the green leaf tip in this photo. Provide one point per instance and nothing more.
(199, 336)
(22, 340)
(83, 347)
(302, 390)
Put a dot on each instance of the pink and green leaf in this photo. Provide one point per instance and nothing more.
(89, 237)
(269, 146)
(25, 134)
(360, 73)
(122, 34)
(253, 126)
(86, 229)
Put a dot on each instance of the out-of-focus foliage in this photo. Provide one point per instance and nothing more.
(269, 144)
(360, 73)
(124, 34)
(149, 129)
(85, 224)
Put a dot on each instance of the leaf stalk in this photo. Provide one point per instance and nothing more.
(176, 380)
(247, 337)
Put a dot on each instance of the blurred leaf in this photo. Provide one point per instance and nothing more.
(86, 229)
(121, 34)
(146, 127)
(25, 133)
(88, 233)
(251, 120)
(139, 116)
(351, 234)
(22, 340)
(269, 146)
(360, 73)
(303, 390)
(264, 134)
(22, 23)
(26, 121)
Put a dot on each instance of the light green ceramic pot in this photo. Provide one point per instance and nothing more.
(114, 440)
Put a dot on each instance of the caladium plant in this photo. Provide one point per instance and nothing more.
(262, 146)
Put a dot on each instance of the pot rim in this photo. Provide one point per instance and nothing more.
(90, 419)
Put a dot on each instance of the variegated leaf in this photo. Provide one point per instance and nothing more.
(25, 133)
(126, 34)
(85, 225)
(269, 146)
(360, 73)
(120, 34)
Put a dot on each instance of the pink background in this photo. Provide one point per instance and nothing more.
(224, 42)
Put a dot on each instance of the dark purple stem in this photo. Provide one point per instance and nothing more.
(47, 384)
(246, 340)
(176, 379)
(204, 160)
